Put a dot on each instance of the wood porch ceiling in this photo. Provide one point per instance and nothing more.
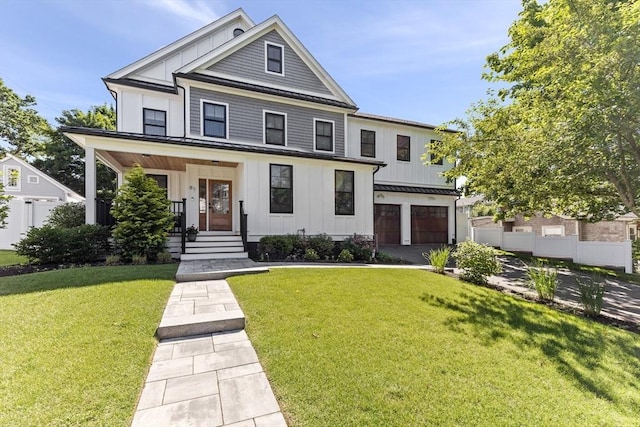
(164, 162)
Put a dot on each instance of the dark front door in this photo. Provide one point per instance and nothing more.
(215, 205)
(387, 224)
(429, 224)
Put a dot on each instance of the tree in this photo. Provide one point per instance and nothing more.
(21, 127)
(64, 160)
(563, 135)
(4, 206)
(141, 210)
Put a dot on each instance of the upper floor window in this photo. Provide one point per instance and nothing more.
(275, 128)
(274, 61)
(281, 189)
(11, 178)
(404, 148)
(155, 122)
(214, 119)
(367, 143)
(323, 135)
(344, 192)
(432, 158)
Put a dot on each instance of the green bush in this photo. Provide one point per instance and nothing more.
(323, 244)
(52, 245)
(67, 215)
(360, 246)
(345, 256)
(144, 220)
(164, 257)
(477, 261)
(438, 258)
(591, 294)
(273, 248)
(311, 255)
(544, 281)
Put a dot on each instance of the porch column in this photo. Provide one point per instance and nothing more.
(405, 223)
(90, 184)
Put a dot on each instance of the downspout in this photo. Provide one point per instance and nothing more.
(184, 109)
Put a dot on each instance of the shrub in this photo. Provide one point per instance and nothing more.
(477, 261)
(67, 215)
(144, 220)
(345, 256)
(438, 258)
(164, 257)
(311, 255)
(52, 245)
(544, 281)
(275, 247)
(591, 294)
(323, 244)
(385, 258)
(113, 260)
(360, 246)
(138, 260)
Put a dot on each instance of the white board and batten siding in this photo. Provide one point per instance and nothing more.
(398, 172)
(132, 101)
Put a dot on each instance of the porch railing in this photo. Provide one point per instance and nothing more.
(103, 213)
(179, 211)
(243, 226)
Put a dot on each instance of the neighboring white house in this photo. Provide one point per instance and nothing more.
(238, 111)
(33, 195)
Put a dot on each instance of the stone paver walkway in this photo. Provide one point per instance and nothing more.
(214, 269)
(211, 379)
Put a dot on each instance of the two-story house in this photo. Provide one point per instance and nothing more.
(240, 119)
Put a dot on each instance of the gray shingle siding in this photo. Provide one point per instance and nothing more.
(248, 63)
(246, 119)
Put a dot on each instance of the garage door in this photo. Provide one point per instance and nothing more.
(429, 224)
(387, 224)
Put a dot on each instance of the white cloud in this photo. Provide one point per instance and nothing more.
(197, 11)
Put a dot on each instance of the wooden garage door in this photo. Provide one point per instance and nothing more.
(429, 224)
(387, 224)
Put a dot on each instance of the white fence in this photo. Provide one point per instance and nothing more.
(24, 214)
(604, 254)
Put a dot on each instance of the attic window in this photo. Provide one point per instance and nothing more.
(274, 61)
(237, 32)
(11, 178)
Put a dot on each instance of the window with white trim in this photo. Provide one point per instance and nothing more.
(323, 135)
(275, 128)
(33, 179)
(274, 58)
(11, 178)
(214, 119)
(553, 230)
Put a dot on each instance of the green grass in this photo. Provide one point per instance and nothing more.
(388, 347)
(8, 257)
(77, 343)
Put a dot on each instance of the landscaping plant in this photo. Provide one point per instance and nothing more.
(438, 258)
(311, 255)
(67, 215)
(141, 210)
(360, 246)
(345, 256)
(323, 244)
(477, 261)
(591, 294)
(544, 280)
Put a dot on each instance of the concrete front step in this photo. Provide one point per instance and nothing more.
(219, 255)
(215, 238)
(208, 244)
(198, 308)
(214, 249)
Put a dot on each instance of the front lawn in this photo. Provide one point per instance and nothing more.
(405, 347)
(8, 257)
(77, 343)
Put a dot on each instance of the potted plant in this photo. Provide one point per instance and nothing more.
(192, 232)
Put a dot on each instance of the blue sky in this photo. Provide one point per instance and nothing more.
(416, 60)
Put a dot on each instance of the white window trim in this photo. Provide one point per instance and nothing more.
(547, 227)
(333, 136)
(522, 229)
(266, 57)
(33, 179)
(208, 101)
(5, 178)
(264, 127)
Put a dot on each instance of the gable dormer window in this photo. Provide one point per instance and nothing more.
(274, 60)
(214, 119)
(154, 121)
